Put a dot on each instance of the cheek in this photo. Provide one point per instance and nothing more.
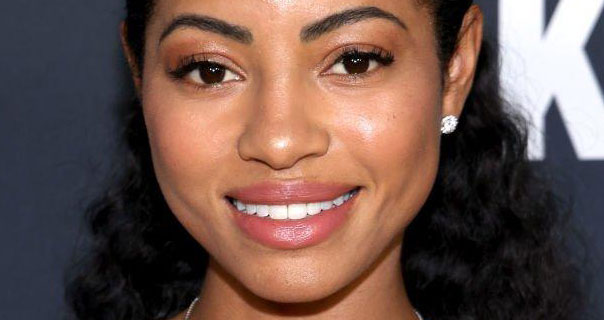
(189, 141)
(395, 136)
(400, 138)
(177, 138)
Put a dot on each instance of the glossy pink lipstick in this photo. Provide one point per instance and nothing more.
(273, 213)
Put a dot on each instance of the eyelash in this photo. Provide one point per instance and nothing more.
(189, 64)
(192, 63)
(383, 57)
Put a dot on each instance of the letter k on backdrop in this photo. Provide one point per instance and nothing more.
(546, 62)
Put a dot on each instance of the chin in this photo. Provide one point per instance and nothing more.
(283, 291)
(295, 283)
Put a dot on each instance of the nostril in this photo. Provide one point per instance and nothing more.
(281, 153)
(280, 140)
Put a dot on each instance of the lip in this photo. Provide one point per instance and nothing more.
(274, 193)
(292, 234)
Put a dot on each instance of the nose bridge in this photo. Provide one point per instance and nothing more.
(281, 131)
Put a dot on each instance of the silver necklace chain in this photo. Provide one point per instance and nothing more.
(190, 309)
(192, 306)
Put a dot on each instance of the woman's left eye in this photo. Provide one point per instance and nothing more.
(357, 62)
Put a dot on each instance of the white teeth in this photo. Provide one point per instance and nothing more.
(278, 212)
(338, 201)
(250, 208)
(262, 210)
(326, 205)
(296, 211)
(313, 208)
(293, 211)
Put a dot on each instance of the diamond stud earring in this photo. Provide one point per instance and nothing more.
(448, 124)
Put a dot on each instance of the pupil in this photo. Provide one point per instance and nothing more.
(356, 64)
(211, 73)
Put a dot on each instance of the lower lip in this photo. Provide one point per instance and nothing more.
(293, 234)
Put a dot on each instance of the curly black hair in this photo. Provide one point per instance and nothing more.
(488, 244)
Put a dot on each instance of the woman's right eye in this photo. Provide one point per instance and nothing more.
(210, 73)
(205, 73)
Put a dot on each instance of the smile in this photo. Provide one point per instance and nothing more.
(292, 214)
(294, 211)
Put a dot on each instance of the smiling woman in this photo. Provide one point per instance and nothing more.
(303, 159)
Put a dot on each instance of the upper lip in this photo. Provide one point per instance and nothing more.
(289, 192)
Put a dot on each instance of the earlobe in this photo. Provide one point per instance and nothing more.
(462, 65)
(132, 63)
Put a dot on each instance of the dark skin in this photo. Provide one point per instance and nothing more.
(282, 107)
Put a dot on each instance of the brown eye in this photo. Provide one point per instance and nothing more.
(211, 73)
(356, 64)
(207, 73)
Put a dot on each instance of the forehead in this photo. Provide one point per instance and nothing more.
(282, 15)
(285, 6)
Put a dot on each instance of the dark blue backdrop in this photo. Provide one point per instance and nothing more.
(61, 77)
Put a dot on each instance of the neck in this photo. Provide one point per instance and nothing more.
(378, 293)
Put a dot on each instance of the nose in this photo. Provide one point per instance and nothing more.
(284, 127)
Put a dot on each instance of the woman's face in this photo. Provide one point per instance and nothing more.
(286, 114)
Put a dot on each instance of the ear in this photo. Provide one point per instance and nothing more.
(135, 70)
(459, 76)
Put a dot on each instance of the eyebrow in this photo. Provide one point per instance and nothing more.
(238, 33)
(346, 17)
(309, 33)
